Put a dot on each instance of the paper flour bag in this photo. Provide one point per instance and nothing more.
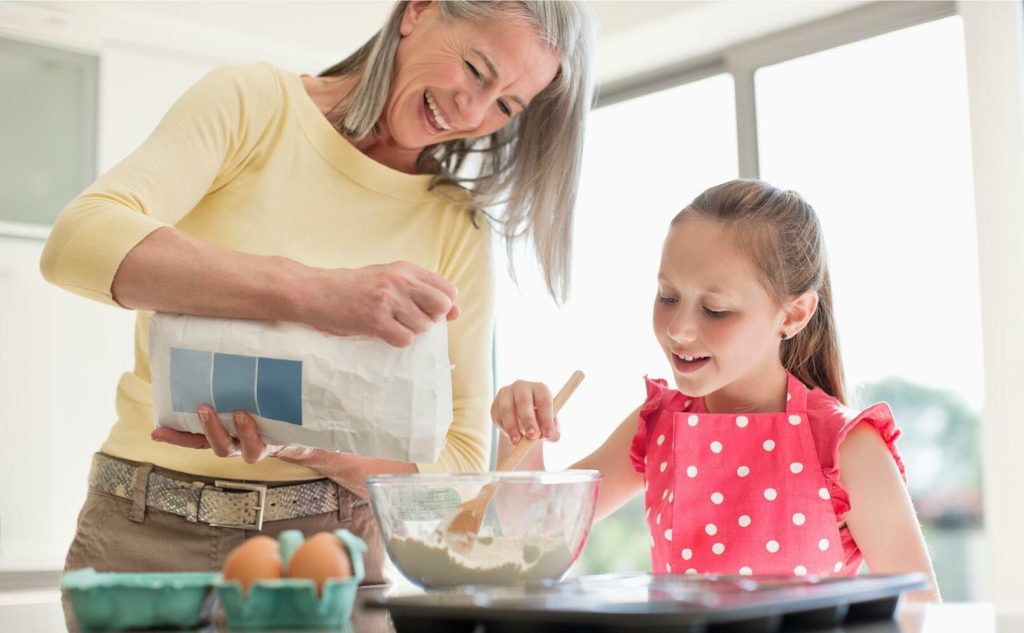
(304, 387)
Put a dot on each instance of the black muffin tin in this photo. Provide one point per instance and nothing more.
(653, 604)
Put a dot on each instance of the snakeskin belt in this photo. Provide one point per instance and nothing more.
(232, 504)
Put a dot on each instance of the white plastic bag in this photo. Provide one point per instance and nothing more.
(304, 387)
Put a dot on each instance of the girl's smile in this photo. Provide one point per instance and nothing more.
(689, 364)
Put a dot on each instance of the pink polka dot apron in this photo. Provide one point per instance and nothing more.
(740, 494)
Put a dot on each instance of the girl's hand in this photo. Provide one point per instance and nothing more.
(394, 302)
(524, 409)
(249, 445)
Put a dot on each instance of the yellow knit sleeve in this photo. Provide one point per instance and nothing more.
(202, 142)
(469, 267)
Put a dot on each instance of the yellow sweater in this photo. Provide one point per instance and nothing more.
(246, 160)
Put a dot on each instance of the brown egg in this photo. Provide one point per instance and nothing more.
(255, 559)
(322, 556)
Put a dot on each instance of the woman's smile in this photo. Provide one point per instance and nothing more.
(435, 119)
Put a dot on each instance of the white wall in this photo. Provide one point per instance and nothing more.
(60, 359)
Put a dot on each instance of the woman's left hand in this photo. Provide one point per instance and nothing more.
(344, 469)
(249, 445)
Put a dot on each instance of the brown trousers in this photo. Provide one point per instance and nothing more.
(108, 539)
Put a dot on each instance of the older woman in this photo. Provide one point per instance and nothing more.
(353, 202)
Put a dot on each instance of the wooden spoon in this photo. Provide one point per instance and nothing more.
(462, 525)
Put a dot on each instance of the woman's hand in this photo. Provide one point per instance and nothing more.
(394, 302)
(524, 409)
(249, 445)
(169, 271)
(345, 469)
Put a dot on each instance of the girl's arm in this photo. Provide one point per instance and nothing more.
(523, 409)
(619, 482)
(881, 518)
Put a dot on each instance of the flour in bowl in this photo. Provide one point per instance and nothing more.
(494, 560)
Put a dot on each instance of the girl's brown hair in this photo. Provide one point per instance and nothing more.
(780, 233)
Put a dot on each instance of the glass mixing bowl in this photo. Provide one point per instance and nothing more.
(533, 529)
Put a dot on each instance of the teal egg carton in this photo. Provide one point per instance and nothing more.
(293, 602)
(111, 600)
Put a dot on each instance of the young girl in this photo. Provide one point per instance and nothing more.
(754, 465)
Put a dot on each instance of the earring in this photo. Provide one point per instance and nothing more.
(784, 336)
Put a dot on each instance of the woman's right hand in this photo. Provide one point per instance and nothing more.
(394, 302)
(171, 271)
(524, 409)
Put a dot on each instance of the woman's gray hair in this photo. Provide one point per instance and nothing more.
(531, 167)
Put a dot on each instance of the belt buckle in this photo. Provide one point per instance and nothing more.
(258, 488)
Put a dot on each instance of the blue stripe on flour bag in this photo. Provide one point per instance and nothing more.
(279, 389)
(269, 387)
(234, 383)
(190, 378)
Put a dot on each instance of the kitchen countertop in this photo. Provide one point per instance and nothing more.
(40, 612)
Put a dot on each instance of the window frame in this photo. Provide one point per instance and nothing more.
(88, 64)
(742, 60)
